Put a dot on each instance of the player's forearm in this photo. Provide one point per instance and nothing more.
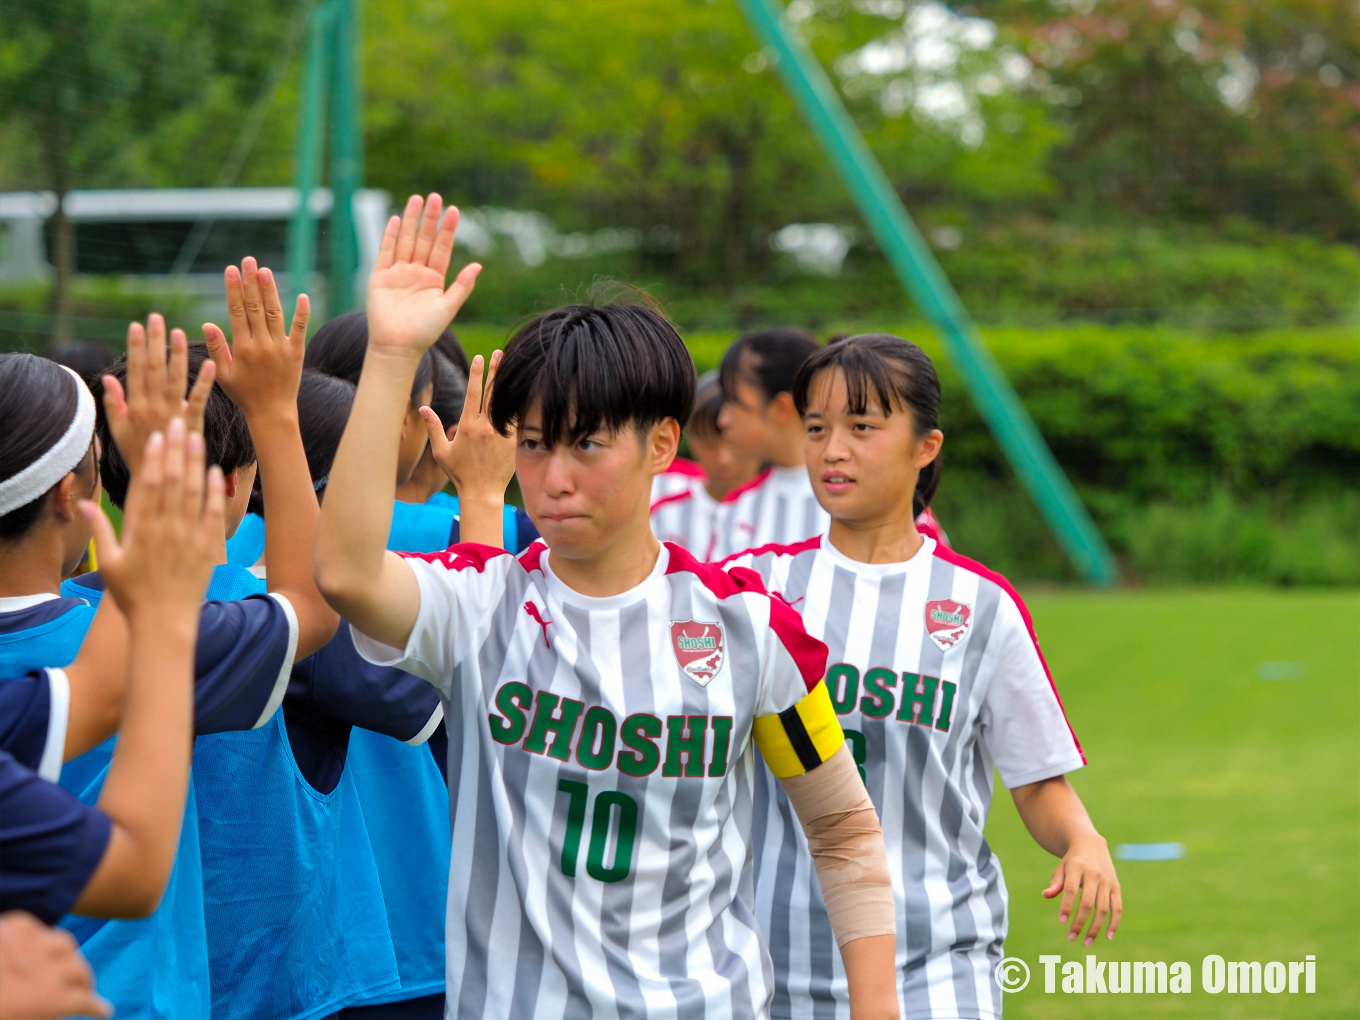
(846, 843)
(290, 516)
(357, 512)
(144, 794)
(1054, 814)
(871, 974)
(98, 680)
(480, 519)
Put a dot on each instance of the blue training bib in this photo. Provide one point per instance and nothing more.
(156, 966)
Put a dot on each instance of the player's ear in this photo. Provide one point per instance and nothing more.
(231, 479)
(784, 408)
(661, 445)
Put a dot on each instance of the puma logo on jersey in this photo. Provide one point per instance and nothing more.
(533, 611)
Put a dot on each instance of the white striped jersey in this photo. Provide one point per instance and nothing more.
(682, 510)
(600, 779)
(937, 677)
(776, 506)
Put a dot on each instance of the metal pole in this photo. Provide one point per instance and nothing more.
(311, 113)
(916, 267)
(347, 157)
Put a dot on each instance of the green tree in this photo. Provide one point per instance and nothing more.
(664, 116)
(107, 93)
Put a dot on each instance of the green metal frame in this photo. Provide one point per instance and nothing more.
(330, 85)
(921, 274)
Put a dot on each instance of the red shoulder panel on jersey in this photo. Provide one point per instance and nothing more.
(793, 549)
(462, 556)
(950, 556)
(529, 559)
(682, 466)
(754, 483)
(674, 497)
(808, 653)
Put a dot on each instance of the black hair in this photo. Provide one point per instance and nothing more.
(226, 435)
(338, 347)
(38, 399)
(324, 404)
(450, 390)
(89, 359)
(588, 367)
(768, 359)
(898, 373)
(708, 402)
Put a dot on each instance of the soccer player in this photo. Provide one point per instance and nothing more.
(687, 494)
(160, 966)
(113, 859)
(602, 690)
(759, 420)
(938, 678)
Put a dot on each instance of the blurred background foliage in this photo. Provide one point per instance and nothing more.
(1150, 205)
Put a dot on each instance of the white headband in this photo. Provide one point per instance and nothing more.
(54, 465)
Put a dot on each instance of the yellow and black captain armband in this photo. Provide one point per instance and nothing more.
(800, 738)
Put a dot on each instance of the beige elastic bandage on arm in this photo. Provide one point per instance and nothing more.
(846, 841)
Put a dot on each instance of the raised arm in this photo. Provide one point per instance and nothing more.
(408, 307)
(261, 370)
(158, 575)
(155, 393)
(478, 460)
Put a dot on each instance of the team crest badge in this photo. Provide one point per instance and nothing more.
(698, 649)
(947, 622)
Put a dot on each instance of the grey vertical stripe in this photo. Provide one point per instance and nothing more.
(635, 654)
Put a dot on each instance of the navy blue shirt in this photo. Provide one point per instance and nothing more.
(242, 658)
(30, 730)
(336, 689)
(50, 843)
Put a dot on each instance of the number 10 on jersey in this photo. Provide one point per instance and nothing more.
(602, 822)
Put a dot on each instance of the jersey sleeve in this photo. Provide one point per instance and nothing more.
(1022, 722)
(336, 685)
(242, 662)
(459, 588)
(50, 843)
(795, 727)
(34, 709)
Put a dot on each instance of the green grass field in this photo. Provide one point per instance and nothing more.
(1260, 780)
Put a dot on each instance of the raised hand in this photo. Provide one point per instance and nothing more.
(408, 305)
(170, 532)
(478, 460)
(261, 368)
(155, 391)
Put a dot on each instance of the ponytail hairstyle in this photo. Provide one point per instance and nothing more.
(767, 359)
(338, 347)
(46, 430)
(900, 376)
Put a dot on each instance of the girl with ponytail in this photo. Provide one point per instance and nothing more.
(937, 677)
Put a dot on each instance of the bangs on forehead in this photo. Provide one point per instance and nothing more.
(585, 369)
(871, 381)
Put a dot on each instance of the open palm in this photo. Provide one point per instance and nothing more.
(408, 305)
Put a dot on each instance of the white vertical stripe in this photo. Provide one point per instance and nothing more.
(58, 715)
